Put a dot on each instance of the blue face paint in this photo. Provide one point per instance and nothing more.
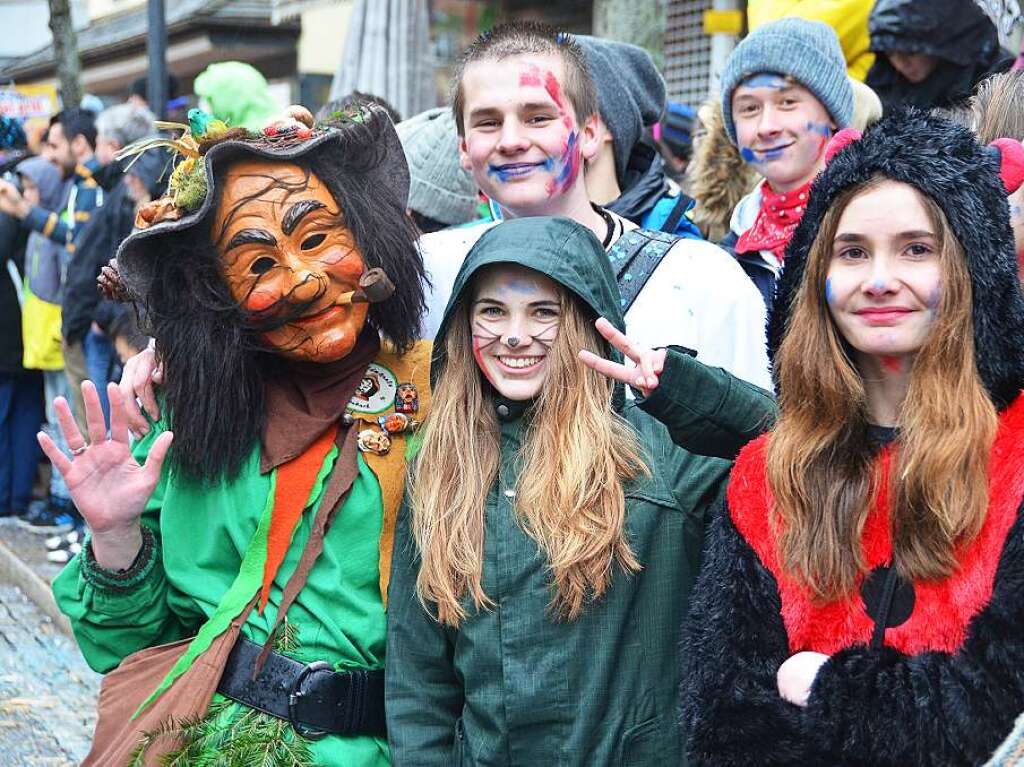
(828, 290)
(506, 173)
(934, 298)
(570, 166)
(762, 155)
(765, 80)
(822, 129)
(521, 286)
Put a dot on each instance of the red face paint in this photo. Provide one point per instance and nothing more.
(892, 364)
(555, 92)
(569, 163)
(531, 77)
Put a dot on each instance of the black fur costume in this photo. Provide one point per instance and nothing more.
(872, 706)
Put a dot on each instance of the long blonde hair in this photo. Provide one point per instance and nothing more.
(575, 456)
(821, 465)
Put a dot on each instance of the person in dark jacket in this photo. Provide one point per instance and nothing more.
(21, 390)
(85, 317)
(931, 53)
(859, 601)
(552, 529)
(71, 146)
(628, 175)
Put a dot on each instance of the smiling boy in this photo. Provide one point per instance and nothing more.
(784, 94)
(526, 110)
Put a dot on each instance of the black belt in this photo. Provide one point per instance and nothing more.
(315, 698)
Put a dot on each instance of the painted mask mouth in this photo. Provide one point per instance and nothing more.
(327, 313)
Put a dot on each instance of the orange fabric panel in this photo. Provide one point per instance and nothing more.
(295, 481)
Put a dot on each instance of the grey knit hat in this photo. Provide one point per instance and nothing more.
(439, 187)
(630, 92)
(807, 51)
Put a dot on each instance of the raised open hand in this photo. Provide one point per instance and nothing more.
(649, 362)
(107, 484)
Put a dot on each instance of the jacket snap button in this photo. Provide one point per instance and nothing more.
(503, 411)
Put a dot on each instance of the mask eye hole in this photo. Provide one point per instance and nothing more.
(313, 240)
(262, 265)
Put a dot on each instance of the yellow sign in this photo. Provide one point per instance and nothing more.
(723, 22)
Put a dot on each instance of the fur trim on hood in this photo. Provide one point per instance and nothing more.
(718, 178)
(945, 162)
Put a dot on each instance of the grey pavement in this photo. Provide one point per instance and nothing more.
(47, 693)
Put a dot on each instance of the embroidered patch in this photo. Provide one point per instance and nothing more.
(376, 392)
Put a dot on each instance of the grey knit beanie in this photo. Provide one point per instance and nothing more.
(807, 51)
(439, 187)
(630, 92)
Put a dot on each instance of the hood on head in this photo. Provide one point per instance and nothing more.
(630, 92)
(945, 162)
(45, 175)
(642, 185)
(953, 30)
(559, 248)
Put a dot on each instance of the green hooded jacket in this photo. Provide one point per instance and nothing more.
(515, 685)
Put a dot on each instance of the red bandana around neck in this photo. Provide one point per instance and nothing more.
(776, 220)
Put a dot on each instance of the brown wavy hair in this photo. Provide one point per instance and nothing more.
(576, 454)
(822, 467)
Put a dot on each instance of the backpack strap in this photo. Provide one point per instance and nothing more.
(634, 257)
(683, 203)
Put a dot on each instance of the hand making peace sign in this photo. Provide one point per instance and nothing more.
(649, 362)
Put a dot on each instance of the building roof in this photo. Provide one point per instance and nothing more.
(122, 32)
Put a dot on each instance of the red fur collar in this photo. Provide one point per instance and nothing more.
(942, 610)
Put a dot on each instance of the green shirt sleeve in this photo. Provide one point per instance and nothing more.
(116, 614)
(708, 411)
(424, 695)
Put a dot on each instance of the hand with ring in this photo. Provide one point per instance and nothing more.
(107, 484)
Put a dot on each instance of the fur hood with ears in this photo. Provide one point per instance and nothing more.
(945, 162)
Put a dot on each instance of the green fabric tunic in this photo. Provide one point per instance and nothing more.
(202, 534)
(514, 685)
